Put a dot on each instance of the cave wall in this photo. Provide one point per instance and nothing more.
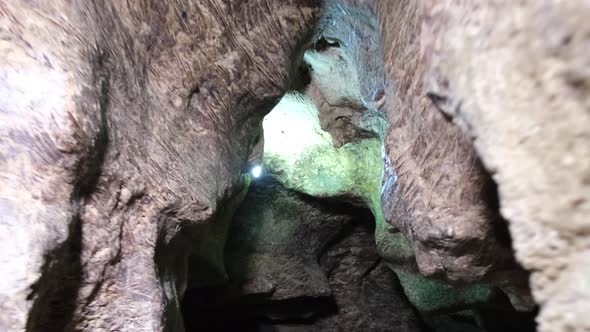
(436, 191)
(513, 76)
(492, 90)
(312, 263)
(123, 124)
(124, 128)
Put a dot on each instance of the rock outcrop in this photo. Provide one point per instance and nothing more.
(296, 262)
(316, 144)
(514, 77)
(124, 124)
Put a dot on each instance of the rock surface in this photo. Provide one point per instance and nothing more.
(299, 263)
(367, 293)
(123, 124)
(296, 262)
(435, 189)
(276, 239)
(126, 129)
(514, 77)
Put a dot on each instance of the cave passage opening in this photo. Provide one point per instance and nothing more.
(313, 198)
(304, 250)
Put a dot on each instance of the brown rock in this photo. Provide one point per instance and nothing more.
(121, 124)
(367, 293)
(346, 72)
(435, 190)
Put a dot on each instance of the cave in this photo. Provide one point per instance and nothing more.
(296, 165)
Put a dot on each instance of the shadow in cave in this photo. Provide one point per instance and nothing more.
(227, 307)
(365, 295)
(201, 311)
(362, 289)
(56, 291)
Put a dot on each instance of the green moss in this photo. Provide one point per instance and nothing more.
(355, 169)
(301, 155)
(427, 295)
(432, 295)
(393, 247)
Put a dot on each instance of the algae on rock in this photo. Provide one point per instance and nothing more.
(302, 157)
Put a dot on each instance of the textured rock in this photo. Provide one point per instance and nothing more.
(300, 263)
(346, 73)
(275, 241)
(302, 156)
(123, 124)
(124, 127)
(367, 293)
(432, 296)
(327, 141)
(307, 150)
(435, 190)
(514, 77)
